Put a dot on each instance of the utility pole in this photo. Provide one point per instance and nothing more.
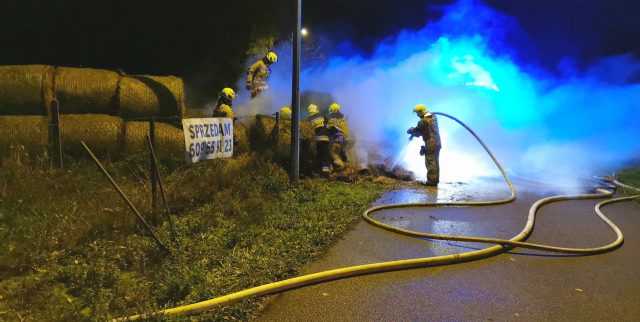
(295, 97)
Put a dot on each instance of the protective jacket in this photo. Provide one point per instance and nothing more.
(257, 77)
(317, 121)
(337, 125)
(428, 129)
(223, 109)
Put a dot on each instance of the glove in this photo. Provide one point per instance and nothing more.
(423, 150)
(410, 130)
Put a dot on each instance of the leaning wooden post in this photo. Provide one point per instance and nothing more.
(124, 197)
(153, 177)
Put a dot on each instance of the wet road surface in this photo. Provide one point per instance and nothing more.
(519, 285)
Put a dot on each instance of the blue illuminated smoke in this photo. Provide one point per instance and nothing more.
(539, 122)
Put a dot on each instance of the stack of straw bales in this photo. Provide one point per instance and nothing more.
(26, 90)
(107, 136)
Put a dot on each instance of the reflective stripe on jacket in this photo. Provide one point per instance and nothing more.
(258, 74)
(317, 121)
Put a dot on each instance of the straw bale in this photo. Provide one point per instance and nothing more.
(142, 96)
(169, 140)
(242, 135)
(23, 132)
(25, 90)
(86, 90)
(101, 133)
(262, 138)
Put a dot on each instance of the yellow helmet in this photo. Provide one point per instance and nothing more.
(272, 57)
(285, 113)
(312, 109)
(334, 108)
(420, 109)
(228, 93)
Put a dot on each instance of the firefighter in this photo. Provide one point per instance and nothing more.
(428, 129)
(322, 140)
(339, 136)
(225, 101)
(223, 107)
(285, 113)
(259, 73)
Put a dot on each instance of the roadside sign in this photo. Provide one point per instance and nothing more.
(207, 138)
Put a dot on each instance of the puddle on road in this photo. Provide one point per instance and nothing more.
(477, 190)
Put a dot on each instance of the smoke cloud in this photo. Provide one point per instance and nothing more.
(539, 123)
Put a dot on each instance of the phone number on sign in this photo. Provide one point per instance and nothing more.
(210, 147)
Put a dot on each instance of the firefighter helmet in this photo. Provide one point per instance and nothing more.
(312, 109)
(285, 113)
(272, 57)
(334, 108)
(420, 110)
(228, 93)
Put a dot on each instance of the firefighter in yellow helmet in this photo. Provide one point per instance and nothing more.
(259, 73)
(428, 128)
(322, 140)
(223, 107)
(225, 101)
(339, 136)
(285, 113)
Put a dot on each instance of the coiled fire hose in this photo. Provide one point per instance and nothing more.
(501, 245)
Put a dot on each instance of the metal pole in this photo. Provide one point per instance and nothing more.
(55, 131)
(295, 97)
(276, 130)
(156, 171)
(153, 177)
(131, 206)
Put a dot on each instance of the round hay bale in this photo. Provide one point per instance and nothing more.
(86, 90)
(262, 138)
(25, 90)
(242, 135)
(28, 133)
(142, 96)
(169, 140)
(101, 133)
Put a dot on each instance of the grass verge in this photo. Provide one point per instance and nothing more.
(70, 250)
(630, 177)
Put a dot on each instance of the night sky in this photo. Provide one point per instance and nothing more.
(206, 41)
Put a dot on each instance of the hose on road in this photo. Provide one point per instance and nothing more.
(501, 245)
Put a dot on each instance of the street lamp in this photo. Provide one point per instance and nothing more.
(304, 32)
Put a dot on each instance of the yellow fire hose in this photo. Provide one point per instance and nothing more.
(501, 245)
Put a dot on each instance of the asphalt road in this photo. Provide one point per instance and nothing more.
(519, 285)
